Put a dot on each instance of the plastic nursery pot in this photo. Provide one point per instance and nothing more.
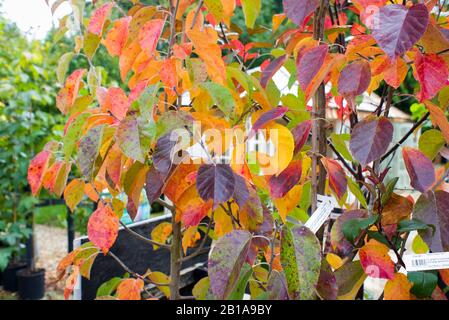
(10, 276)
(31, 284)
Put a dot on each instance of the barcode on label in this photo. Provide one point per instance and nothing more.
(419, 263)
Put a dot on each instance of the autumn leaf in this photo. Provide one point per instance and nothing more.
(297, 11)
(191, 207)
(398, 288)
(189, 238)
(67, 95)
(287, 203)
(161, 233)
(337, 177)
(118, 35)
(114, 100)
(129, 289)
(102, 228)
(439, 119)
(432, 73)
(301, 134)
(74, 193)
(98, 18)
(420, 169)
(281, 184)
(226, 260)
(271, 70)
(215, 182)
(375, 260)
(354, 79)
(36, 170)
(370, 139)
(308, 64)
(399, 28)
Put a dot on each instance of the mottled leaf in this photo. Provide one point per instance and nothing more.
(432, 73)
(327, 287)
(102, 228)
(129, 289)
(398, 288)
(298, 10)
(375, 260)
(88, 151)
(149, 35)
(74, 193)
(301, 261)
(226, 261)
(98, 18)
(339, 244)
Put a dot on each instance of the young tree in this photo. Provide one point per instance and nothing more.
(177, 127)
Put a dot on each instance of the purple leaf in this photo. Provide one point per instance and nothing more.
(277, 286)
(253, 209)
(308, 63)
(215, 182)
(354, 79)
(420, 169)
(166, 155)
(298, 10)
(271, 70)
(266, 117)
(226, 260)
(301, 134)
(241, 192)
(370, 139)
(280, 185)
(154, 184)
(433, 208)
(88, 150)
(397, 28)
(327, 286)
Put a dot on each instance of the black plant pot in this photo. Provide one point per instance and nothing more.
(10, 277)
(31, 284)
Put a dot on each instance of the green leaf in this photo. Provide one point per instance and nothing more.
(301, 261)
(352, 228)
(431, 142)
(107, 288)
(251, 10)
(63, 66)
(221, 96)
(201, 289)
(423, 283)
(239, 290)
(389, 190)
(73, 134)
(357, 192)
(339, 142)
(411, 225)
(91, 43)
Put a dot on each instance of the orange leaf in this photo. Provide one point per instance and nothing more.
(114, 100)
(398, 288)
(116, 38)
(129, 289)
(190, 237)
(71, 282)
(439, 119)
(191, 208)
(375, 260)
(98, 18)
(38, 166)
(288, 202)
(67, 95)
(149, 35)
(127, 58)
(168, 75)
(102, 228)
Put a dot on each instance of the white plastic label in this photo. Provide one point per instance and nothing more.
(321, 213)
(426, 261)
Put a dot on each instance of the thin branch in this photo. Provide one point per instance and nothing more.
(165, 204)
(405, 137)
(144, 239)
(340, 157)
(197, 12)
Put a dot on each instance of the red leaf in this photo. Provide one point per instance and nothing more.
(298, 10)
(375, 260)
(370, 139)
(215, 182)
(398, 28)
(280, 185)
(308, 64)
(67, 95)
(102, 228)
(301, 134)
(432, 74)
(270, 70)
(36, 170)
(149, 35)
(337, 177)
(354, 79)
(98, 18)
(420, 169)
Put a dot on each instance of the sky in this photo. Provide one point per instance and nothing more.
(33, 17)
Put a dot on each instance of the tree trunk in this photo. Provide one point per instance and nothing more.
(175, 259)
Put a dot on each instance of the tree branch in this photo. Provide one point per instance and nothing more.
(200, 248)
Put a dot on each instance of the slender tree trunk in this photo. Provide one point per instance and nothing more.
(175, 259)
(319, 145)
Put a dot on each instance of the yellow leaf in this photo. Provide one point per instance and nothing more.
(288, 202)
(190, 237)
(161, 233)
(398, 288)
(334, 261)
(74, 193)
